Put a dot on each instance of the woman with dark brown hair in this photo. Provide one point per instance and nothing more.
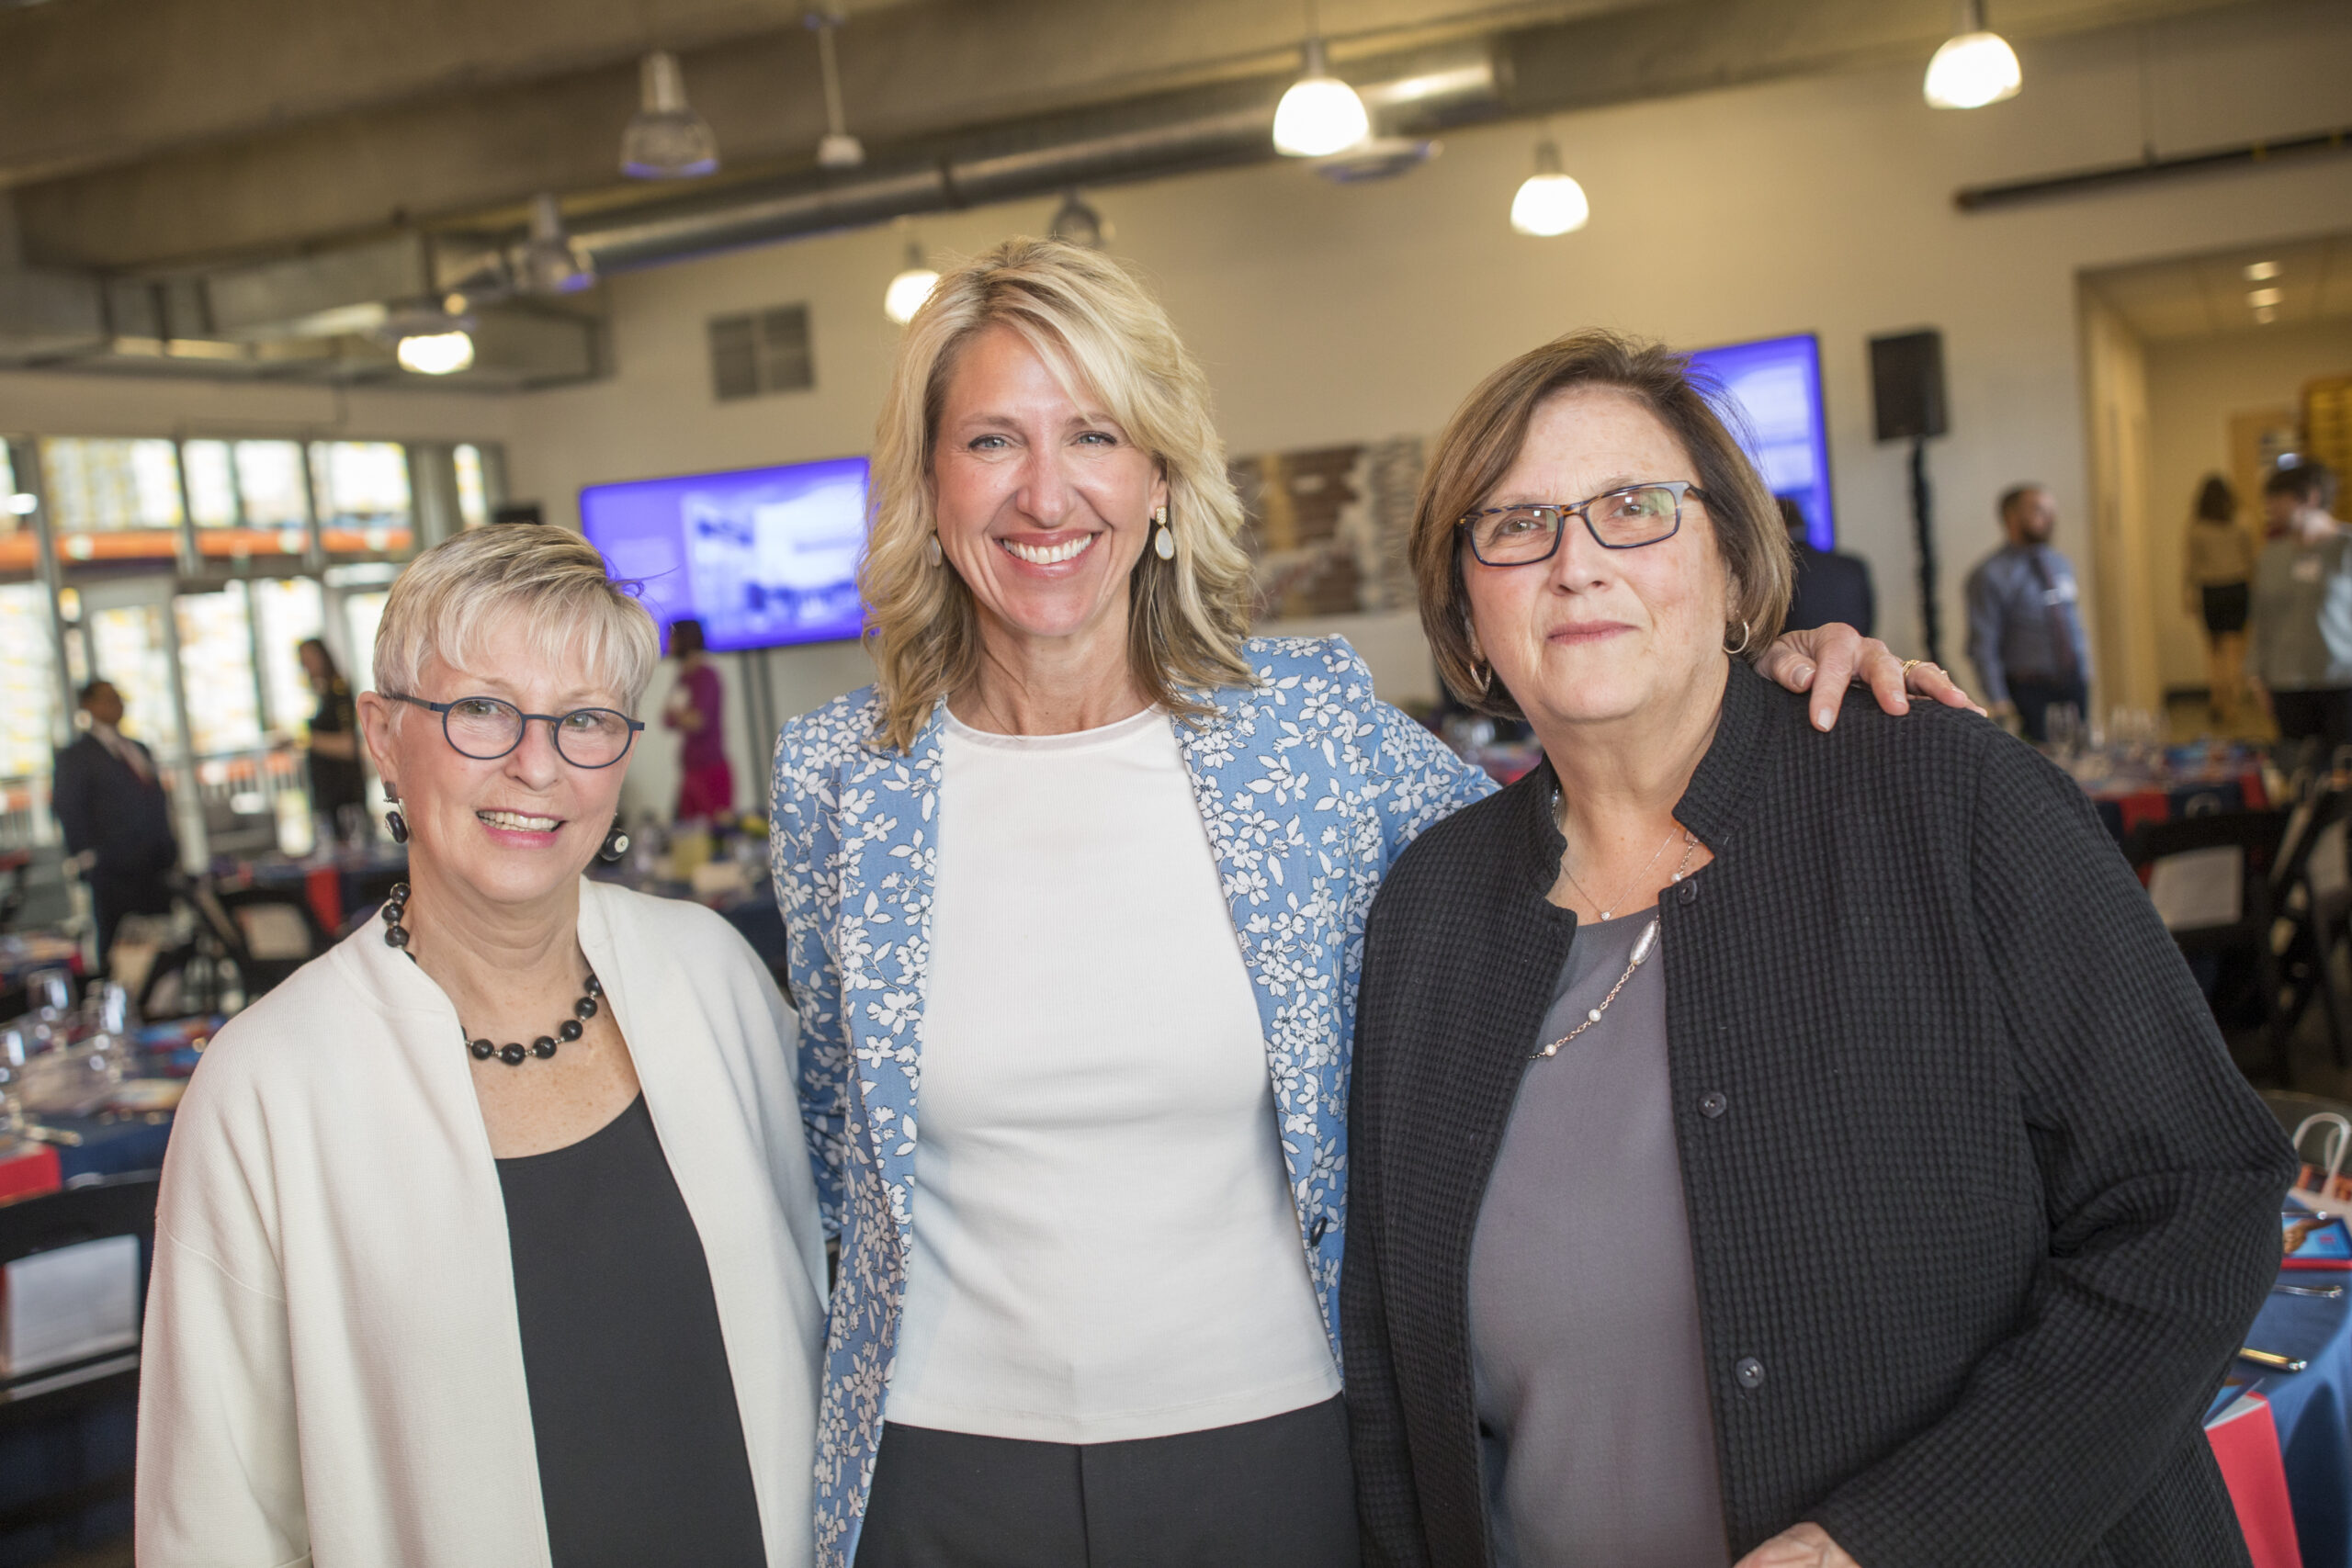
(1807, 1150)
(2217, 574)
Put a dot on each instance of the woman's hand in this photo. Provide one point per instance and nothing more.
(1801, 1546)
(1825, 660)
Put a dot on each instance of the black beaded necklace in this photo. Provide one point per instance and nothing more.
(513, 1053)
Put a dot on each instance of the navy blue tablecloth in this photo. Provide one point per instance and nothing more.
(2311, 1408)
(109, 1148)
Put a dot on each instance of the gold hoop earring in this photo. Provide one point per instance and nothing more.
(1486, 674)
(1744, 635)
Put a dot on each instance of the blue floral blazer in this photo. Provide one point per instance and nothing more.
(1309, 789)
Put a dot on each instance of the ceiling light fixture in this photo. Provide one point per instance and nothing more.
(1320, 115)
(910, 287)
(554, 263)
(1975, 67)
(665, 139)
(2267, 315)
(2261, 272)
(437, 354)
(2261, 298)
(1076, 222)
(1549, 202)
(837, 149)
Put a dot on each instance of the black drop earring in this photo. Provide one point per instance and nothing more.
(615, 844)
(397, 826)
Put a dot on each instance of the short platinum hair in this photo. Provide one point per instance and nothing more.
(550, 580)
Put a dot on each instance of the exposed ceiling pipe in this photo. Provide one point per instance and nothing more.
(1218, 127)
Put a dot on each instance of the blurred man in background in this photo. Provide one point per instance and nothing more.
(1831, 585)
(110, 800)
(2025, 621)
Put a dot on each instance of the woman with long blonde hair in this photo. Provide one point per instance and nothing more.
(1089, 865)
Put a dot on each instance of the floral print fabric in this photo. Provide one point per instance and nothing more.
(1308, 787)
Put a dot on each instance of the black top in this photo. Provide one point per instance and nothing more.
(336, 780)
(641, 1456)
(1830, 586)
(1979, 1207)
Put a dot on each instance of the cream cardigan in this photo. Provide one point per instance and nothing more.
(332, 1372)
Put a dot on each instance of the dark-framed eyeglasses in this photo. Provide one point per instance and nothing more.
(487, 729)
(1622, 519)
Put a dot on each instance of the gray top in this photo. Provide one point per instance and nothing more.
(2302, 614)
(1597, 1442)
(2019, 597)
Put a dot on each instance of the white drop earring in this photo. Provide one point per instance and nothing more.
(932, 549)
(1163, 538)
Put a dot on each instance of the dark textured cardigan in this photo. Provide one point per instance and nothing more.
(1979, 1206)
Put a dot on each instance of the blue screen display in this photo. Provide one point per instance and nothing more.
(764, 557)
(1775, 386)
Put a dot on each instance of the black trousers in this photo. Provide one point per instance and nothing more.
(1273, 1494)
(2323, 715)
(2036, 698)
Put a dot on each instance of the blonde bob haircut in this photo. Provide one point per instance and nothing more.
(1109, 344)
(547, 580)
(1483, 439)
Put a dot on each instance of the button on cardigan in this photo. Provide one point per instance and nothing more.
(1979, 1207)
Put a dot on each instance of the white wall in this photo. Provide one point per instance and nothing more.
(2194, 387)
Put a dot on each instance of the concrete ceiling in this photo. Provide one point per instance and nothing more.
(2199, 296)
(138, 133)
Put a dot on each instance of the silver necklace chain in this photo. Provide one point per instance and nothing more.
(1643, 948)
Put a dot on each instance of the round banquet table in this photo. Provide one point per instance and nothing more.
(2311, 1409)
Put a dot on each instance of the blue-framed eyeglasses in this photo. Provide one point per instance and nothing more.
(1623, 519)
(487, 729)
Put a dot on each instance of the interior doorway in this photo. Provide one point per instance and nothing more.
(2221, 364)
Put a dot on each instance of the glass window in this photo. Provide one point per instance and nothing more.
(269, 479)
(363, 613)
(28, 680)
(285, 611)
(363, 493)
(135, 655)
(473, 486)
(211, 489)
(113, 499)
(217, 671)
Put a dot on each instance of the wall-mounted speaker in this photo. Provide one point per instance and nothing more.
(1907, 385)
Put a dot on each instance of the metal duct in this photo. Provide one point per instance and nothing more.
(1214, 127)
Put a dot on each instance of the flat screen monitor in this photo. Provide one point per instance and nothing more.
(1774, 384)
(763, 558)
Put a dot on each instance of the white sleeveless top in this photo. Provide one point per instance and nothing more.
(1104, 1243)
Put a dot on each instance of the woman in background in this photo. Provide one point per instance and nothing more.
(696, 709)
(2217, 570)
(337, 780)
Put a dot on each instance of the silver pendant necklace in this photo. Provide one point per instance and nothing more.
(1643, 948)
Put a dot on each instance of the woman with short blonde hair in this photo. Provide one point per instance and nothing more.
(1091, 865)
(489, 1237)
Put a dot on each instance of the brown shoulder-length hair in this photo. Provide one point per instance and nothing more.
(1484, 438)
(1110, 343)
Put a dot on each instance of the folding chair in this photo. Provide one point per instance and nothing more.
(2215, 894)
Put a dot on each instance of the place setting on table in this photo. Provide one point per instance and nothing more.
(2281, 1424)
(2134, 778)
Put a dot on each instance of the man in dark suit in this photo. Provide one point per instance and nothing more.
(1831, 585)
(110, 800)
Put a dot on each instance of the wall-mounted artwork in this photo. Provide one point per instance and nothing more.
(1327, 525)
